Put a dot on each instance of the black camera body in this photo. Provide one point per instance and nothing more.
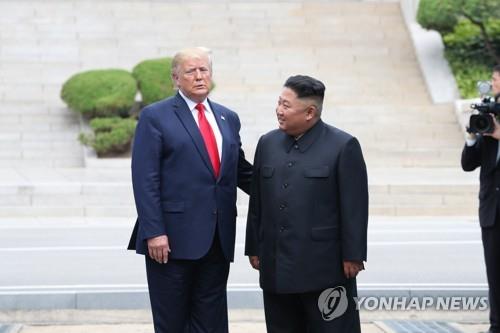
(482, 122)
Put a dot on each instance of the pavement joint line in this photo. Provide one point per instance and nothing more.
(391, 243)
(239, 245)
(248, 286)
(63, 248)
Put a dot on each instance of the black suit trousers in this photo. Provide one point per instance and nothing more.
(300, 313)
(189, 296)
(491, 245)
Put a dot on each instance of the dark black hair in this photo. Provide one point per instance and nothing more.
(496, 69)
(306, 86)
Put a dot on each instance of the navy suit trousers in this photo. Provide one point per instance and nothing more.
(189, 296)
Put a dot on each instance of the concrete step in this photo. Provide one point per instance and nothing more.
(108, 192)
(374, 85)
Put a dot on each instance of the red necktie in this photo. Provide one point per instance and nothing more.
(208, 136)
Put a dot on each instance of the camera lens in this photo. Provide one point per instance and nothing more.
(481, 123)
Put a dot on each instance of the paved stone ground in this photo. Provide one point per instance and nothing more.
(241, 321)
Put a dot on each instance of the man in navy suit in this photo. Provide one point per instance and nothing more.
(484, 151)
(186, 164)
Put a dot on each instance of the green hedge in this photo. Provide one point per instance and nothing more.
(436, 15)
(467, 74)
(100, 93)
(111, 136)
(154, 79)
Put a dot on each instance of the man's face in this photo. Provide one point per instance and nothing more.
(495, 83)
(293, 114)
(194, 78)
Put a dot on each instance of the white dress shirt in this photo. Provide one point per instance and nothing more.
(210, 117)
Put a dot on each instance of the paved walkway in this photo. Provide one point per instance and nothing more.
(241, 321)
(69, 266)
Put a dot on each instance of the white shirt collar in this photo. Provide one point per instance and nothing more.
(192, 104)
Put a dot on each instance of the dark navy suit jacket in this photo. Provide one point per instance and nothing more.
(175, 190)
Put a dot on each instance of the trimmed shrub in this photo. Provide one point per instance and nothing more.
(100, 93)
(154, 79)
(437, 15)
(467, 74)
(112, 136)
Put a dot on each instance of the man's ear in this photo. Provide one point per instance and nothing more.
(174, 80)
(311, 112)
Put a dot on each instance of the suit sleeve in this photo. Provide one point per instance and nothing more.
(146, 159)
(244, 167)
(353, 191)
(471, 156)
(253, 218)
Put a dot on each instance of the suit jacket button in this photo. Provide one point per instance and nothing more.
(214, 212)
(497, 189)
(285, 185)
(282, 229)
(290, 164)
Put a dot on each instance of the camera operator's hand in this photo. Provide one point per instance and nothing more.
(496, 132)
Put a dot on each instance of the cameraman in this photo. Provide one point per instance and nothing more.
(484, 151)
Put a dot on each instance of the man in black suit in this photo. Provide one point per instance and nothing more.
(483, 151)
(308, 217)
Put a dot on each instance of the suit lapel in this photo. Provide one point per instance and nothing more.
(220, 118)
(187, 120)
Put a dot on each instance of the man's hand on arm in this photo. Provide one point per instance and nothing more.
(352, 268)
(254, 261)
(159, 249)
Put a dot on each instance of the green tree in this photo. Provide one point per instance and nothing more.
(444, 15)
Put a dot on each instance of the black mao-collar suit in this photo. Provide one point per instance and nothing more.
(308, 213)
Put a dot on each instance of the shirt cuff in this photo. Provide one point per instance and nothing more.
(470, 142)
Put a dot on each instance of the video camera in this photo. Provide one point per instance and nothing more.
(482, 122)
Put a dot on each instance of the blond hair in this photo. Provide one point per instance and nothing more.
(193, 52)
